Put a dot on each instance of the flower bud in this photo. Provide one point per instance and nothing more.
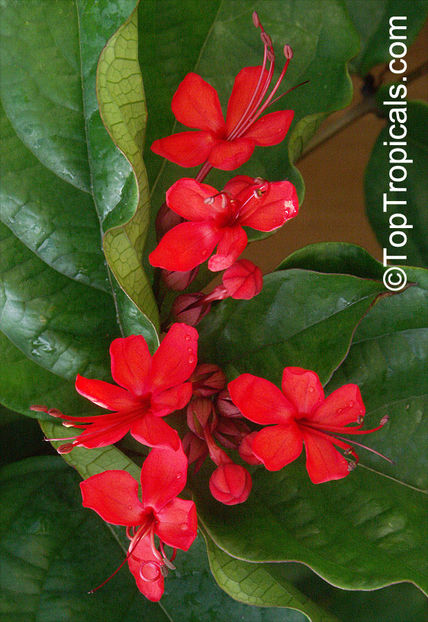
(178, 281)
(166, 220)
(200, 414)
(230, 484)
(207, 379)
(226, 407)
(243, 280)
(190, 308)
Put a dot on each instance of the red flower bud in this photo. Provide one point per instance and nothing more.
(207, 379)
(230, 484)
(190, 308)
(200, 414)
(226, 407)
(178, 281)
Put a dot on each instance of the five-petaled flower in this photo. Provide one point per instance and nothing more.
(228, 144)
(114, 496)
(150, 388)
(300, 414)
(217, 219)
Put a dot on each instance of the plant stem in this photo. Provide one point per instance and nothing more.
(365, 106)
(368, 104)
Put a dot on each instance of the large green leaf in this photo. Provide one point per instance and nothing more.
(260, 584)
(366, 531)
(53, 551)
(63, 178)
(217, 42)
(410, 241)
(122, 107)
(372, 19)
(299, 318)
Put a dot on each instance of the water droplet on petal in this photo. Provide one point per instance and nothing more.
(190, 350)
(191, 360)
(339, 411)
(179, 475)
(311, 389)
(350, 404)
(187, 337)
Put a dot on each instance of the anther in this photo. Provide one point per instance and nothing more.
(288, 51)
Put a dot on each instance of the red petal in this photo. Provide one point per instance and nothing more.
(187, 198)
(163, 477)
(238, 183)
(303, 388)
(243, 280)
(114, 496)
(273, 209)
(260, 401)
(154, 432)
(176, 358)
(278, 445)
(271, 129)
(130, 363)
(105, 394)
(185, 246)
(243, 89)
(185, 148)
(166, 402)
(143, 563)
(228, 155)
(323, 461)
(343, 406)
(196, 104)
(232, 243)
(178, 524)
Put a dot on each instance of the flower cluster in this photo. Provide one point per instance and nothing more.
(200, 224)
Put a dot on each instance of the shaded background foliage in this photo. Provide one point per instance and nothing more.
(65, 180)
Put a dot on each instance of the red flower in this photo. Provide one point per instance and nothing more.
(150, 388)
(114, 496)
(301, 414)
(217, 218)
(227, 144)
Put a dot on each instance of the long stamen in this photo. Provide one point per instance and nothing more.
(373, 451)
(262, 83)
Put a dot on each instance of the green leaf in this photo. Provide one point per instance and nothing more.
(54, 551)
(220, 44)
(23, 383)
(335, 258)
(368, 530)
(63, 178)
(299, 318)
(364, 532)
(120, 94)
(260, 584)
(374, 20)
(38, 318)
(413, 214)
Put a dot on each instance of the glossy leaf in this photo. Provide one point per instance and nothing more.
(368, 530)
(54, 551)
(372, 19)
(223, 41)
(388, 227)
(63, 178)
(299, 318)
(261, 584)
(120, 94)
